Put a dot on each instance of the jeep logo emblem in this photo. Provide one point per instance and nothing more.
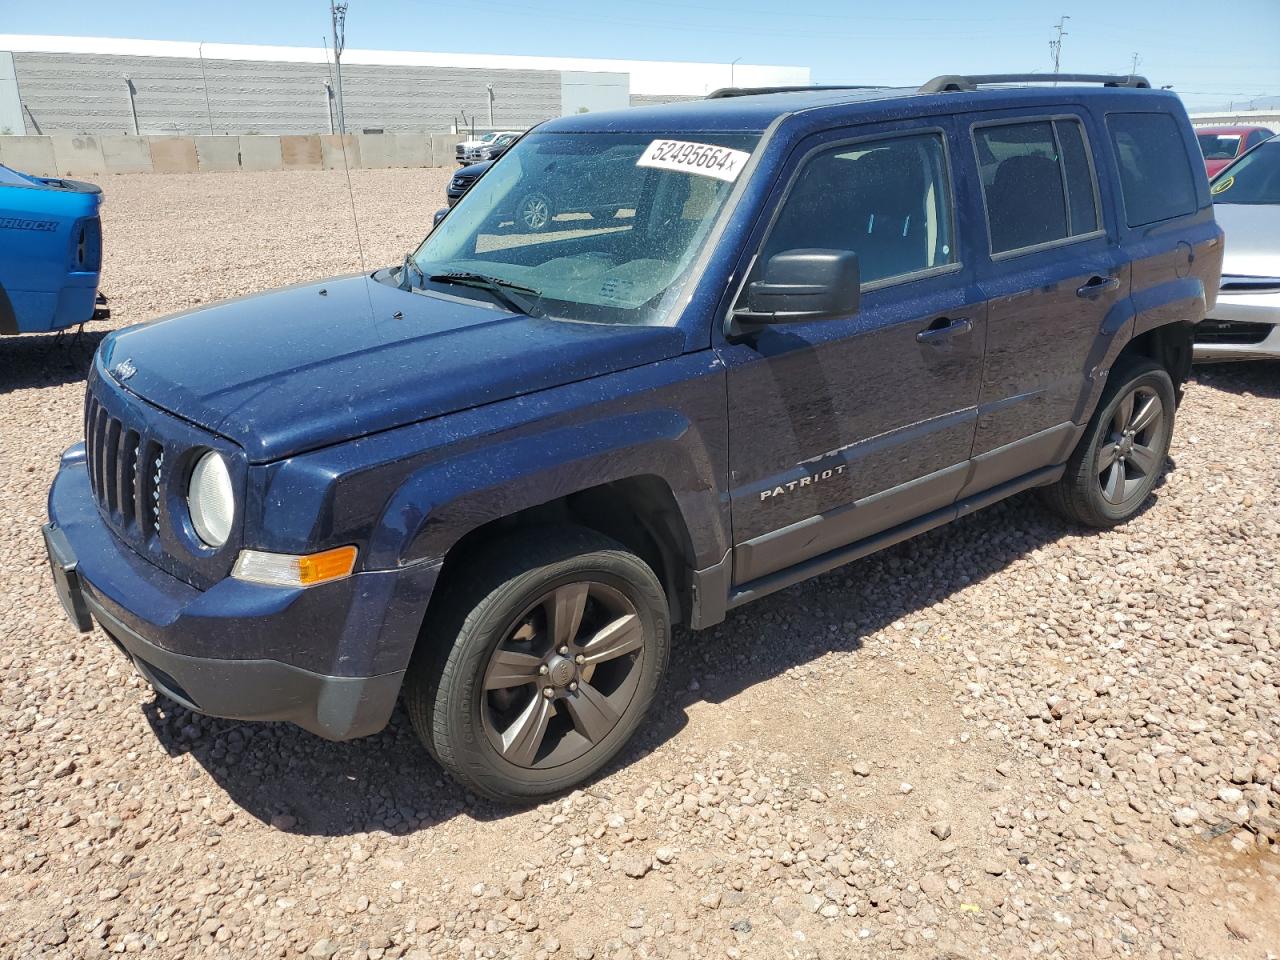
(123, 370)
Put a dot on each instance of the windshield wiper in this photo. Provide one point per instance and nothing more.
(514, 296)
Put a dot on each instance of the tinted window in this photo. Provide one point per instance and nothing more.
(1037, 178)
(889, 201)
(1081, 202)
(1254, 178)
(1155, 175)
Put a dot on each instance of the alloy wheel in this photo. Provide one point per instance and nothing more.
(563, 676)
(535, 212)
(1130, 459)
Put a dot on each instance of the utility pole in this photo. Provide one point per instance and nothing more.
(338, 15)
(1055, 46)
(1133, 67)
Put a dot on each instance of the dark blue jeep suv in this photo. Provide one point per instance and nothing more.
(493, 478)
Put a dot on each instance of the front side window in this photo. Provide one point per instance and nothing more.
(594, 227)
(888, 201)
(1037, 182)
(1155, 173)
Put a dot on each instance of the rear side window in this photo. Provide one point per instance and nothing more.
(888, 201)
(1156, 181)
(1038, 183)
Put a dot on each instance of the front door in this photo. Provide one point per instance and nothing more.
(840, 429)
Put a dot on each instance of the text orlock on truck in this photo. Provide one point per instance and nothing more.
(702, 366)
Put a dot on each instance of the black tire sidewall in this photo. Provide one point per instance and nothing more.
(460, 695)
(1099, 429)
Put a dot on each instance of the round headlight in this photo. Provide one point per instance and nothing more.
(211, 500)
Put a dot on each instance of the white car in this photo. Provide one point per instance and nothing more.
(463, 151)
(1245, 324)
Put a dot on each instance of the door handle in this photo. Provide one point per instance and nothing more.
(943, 328)
(1097, 285)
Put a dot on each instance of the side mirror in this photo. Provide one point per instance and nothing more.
(798, 285)
(439, 215)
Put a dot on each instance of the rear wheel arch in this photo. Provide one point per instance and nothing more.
(1169, 345)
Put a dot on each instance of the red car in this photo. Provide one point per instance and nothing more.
(1221, 145)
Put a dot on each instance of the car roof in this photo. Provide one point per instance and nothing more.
(755, 112)
(1239, 128)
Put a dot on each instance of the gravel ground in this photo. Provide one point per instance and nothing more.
(1005, 739)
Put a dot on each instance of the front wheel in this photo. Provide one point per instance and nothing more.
(541, 664)
(1123, 451)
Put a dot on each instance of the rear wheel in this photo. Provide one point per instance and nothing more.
(534, 212)
(541, 664)
(1123, 451)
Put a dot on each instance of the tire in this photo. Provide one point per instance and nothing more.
(475, 695)
(534, 212)
(1088, 492)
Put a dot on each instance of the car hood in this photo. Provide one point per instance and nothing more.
(1252, 238)
(307, 366)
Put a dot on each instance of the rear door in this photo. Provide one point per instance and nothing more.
(842, 428)
(1055, 280)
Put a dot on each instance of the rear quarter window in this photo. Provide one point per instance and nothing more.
(1156, 180)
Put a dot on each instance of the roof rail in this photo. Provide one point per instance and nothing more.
(958, 82)
(724, 92)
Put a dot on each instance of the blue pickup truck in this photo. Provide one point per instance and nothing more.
(492, 479)
(50, 253)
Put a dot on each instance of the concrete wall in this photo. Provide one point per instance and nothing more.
(89, 93)
(67, 155)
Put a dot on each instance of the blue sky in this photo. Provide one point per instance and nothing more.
(1211, 52)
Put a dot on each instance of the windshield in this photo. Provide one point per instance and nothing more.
(1219, 146)
(12, 178)
(598, 227)
(1254, 178)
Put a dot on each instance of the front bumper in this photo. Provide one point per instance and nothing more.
(1244, 325)
(272, 640)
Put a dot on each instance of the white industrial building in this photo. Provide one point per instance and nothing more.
(100, 85)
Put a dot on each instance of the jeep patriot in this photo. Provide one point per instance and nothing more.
(754, 337)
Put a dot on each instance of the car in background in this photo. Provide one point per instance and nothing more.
(462, 180)
(50, 252)
(1245, 322)
(568, 185)
(491, 150)
(1221, 145)
(460, 151)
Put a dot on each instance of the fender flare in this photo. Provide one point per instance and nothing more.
(440, 503)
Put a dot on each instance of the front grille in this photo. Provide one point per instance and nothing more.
(138, 458)
(125, 472)
(1226, 331)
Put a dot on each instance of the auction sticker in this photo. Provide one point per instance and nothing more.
(705, 159)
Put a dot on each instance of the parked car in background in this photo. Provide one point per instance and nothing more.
(1245, 322)
(565, 186)
(494, 477)
(460, 150)
(491, 150)
(462, 180)
(50, 252)
(1221, 145)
